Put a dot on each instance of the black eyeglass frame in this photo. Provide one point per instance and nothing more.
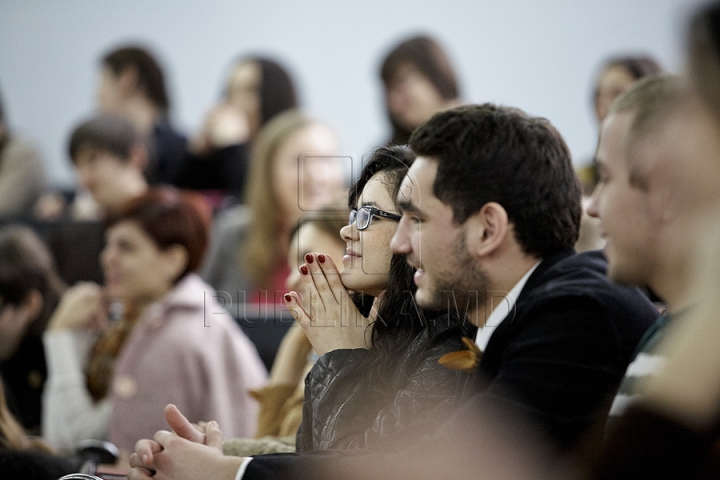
(372, 212)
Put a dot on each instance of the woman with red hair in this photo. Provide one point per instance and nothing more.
(170, 342)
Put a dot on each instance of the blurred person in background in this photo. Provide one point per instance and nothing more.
(109, 157)
(22, 173)
(110, 372)
(256, 90)
(616, 76)
(30, 289)
(419, 81)
(132, 84)
(294, 169)
(24, 457)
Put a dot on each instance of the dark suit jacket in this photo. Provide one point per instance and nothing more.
(564, 350)
(553, 361)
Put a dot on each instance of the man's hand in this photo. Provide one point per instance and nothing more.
(186, 453)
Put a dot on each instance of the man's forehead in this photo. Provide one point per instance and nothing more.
(612, 143)
(418, 181)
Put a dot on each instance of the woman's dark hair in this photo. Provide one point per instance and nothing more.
(637, 66)
(26, 265)
(704, 53)
(277, 90)
(399, 321)
(170, 217)
(150, 77)
(428, 57)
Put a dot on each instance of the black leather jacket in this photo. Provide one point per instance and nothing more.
(344, 409)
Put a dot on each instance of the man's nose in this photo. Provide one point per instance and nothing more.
(400, 243)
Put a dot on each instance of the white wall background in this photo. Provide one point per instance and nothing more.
(539, 55)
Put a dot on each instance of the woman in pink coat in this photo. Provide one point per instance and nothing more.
(171, 342)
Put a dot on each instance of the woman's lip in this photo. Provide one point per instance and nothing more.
(349, 257)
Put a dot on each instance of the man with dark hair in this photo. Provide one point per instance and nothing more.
(132, 84)
(490, 212)
(110, 157)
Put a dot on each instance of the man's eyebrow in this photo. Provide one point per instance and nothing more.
(406, 205)
(370, 204)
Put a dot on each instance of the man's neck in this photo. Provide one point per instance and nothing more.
(674, 272)
(498, 290)
(674, 287)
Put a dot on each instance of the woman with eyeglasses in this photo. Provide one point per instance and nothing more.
(378, 376)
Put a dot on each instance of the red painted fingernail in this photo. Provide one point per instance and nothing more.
(288, 298)
(321, 258)
(309, 258)
(304, 270)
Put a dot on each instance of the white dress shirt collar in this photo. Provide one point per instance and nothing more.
(502, 309)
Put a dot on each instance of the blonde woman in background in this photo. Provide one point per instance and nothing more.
(294, 170)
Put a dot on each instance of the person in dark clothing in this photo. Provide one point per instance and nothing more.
(257, 89)
(490, 211)
(23, 457)
(30, 290)
(132, 84)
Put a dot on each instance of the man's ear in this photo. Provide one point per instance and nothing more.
(487, 229)
(139, 156)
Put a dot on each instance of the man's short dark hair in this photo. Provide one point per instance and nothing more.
(489, 153)
(110, 133)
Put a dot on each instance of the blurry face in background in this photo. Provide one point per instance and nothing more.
(367, 256)
(136, 269)
(104, 175)
(243, 92)
(307, 172)
(308, 239)
(613, 82)
(109, 92)
(411, 98)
